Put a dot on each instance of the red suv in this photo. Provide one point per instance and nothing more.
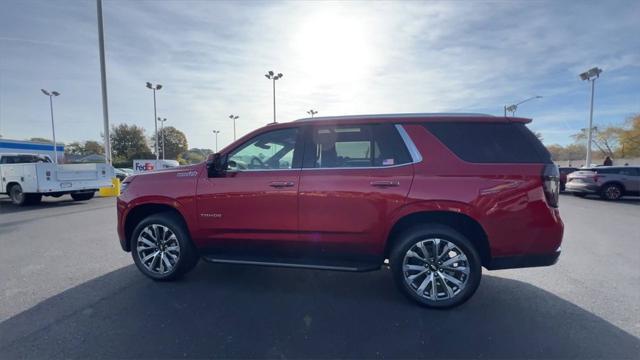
(438, 196)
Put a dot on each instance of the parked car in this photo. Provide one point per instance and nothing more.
(437, 195)
(564, 171)
(609, 182)
(121, 174)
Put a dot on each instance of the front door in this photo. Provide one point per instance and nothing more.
(254, 205)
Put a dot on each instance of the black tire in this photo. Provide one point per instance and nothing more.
(413, 236)
(188, 257)
(17, 196)
(83, 196)
(611, 192)
(580, 195)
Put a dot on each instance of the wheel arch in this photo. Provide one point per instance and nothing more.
(461, 222)
(140, 212)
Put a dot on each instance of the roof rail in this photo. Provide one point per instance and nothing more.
(395, 116)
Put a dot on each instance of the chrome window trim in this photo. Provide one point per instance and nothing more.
(416, 157)
(413, 150)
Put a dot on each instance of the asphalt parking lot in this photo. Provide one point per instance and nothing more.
(69, 291)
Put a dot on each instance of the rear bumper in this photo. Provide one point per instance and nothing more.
(523, 261)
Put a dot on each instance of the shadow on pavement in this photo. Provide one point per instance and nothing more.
(247, 312)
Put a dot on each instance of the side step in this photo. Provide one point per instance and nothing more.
(333, 265)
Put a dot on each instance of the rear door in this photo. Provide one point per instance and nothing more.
(353, 178)
(630, 177)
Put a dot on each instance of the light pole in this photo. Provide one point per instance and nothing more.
(162, 132)
(216, 132)
(103, 78)
(53, 127)
(590, 75)
(513, 108)
(155, 115)
(271, 76)
(312, 112)
(234, 118)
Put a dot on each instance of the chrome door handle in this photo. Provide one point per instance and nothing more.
(281, 184)
(384, 183)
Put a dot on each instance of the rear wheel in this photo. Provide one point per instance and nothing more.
(611, 192)
(161, 247)
(82, 196)
(436, 266)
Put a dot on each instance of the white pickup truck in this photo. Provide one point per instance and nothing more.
(28, 177)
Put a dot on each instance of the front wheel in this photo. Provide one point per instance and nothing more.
(161, 247)
(436, 266)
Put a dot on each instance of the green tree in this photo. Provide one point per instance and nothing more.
(175, 142)
(630, 137)
(128, 142)
(93, 147)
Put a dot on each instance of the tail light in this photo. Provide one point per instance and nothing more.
(551, 184)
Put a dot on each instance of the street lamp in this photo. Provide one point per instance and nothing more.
(216, 132)
(162, 132)
(234, 118)
(591, 75)
(53, 127)
(155, 115)
(513, 108)
(312, 112)
(271, 76)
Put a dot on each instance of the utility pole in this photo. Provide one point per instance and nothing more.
(53, 126)
(234, 118)
(103, 78)
(216, 132)
(162, 132)
(590, 75)
(272, 76)
(155, 114)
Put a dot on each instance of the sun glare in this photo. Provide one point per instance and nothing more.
(331, 47)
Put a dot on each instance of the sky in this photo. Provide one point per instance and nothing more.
(338, 58)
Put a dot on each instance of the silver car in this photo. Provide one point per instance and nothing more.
(610, 182)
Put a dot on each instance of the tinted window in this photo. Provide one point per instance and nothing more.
(354, 146)
(271, 150)
(607, 171)
(629, 171)
(491, 142)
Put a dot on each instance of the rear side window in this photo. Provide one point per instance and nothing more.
(353, 146)
(490, 142)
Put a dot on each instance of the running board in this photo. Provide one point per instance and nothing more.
(283, 263)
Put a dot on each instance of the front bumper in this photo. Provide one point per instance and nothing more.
(523, 261)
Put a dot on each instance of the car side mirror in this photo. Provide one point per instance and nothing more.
(216, 165)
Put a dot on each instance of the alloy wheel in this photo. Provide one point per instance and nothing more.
(436, 269)
(613, 193)
(158, 249)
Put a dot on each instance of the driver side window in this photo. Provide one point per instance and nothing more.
(271, 150)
